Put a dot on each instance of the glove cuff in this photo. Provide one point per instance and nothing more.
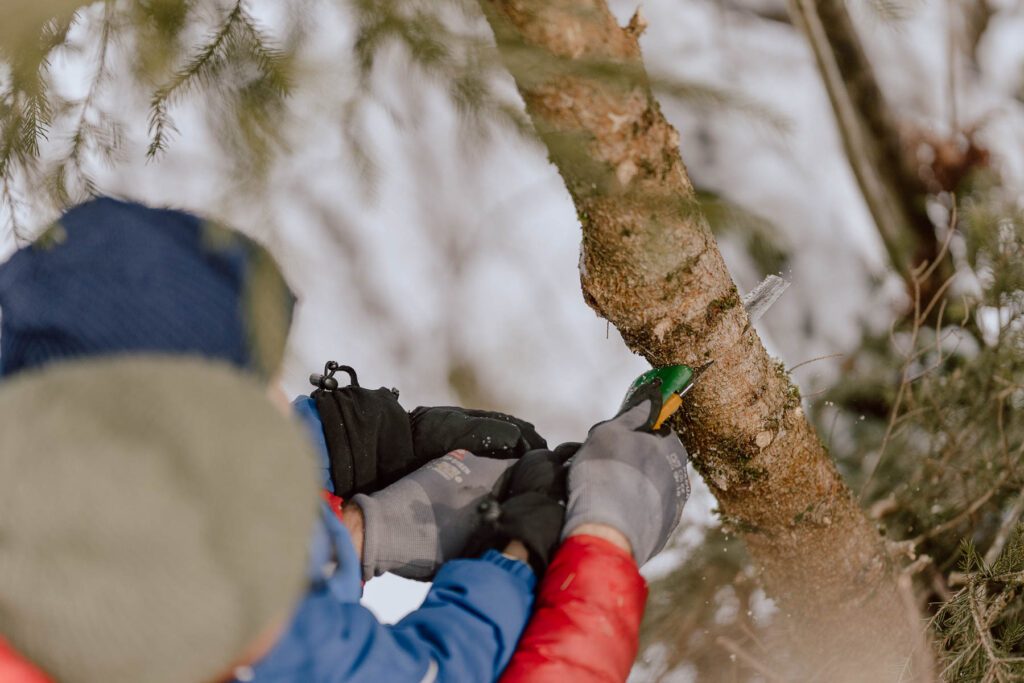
(368, 438)
(591, 503)
(371, 534)
(532, 518)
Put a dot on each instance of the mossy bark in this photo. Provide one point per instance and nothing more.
(650, 266)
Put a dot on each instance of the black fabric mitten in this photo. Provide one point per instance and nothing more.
(439, 430)
(369, 438)
(532, 518)
(531, 508)
(372, 442)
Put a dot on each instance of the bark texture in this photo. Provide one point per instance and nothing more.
(650, 265)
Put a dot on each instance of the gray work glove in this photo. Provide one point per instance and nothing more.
(423, 520)
(630, 478)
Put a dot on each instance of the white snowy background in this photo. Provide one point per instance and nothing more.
(461, 253)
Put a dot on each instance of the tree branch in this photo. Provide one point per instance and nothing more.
(888, 178)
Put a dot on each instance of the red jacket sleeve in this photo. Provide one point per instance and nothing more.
(586, 623)
(15, 669)
(335, 503)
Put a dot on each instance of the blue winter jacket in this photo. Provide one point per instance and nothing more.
(465, 631)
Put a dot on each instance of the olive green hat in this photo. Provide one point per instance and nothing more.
(155, 514)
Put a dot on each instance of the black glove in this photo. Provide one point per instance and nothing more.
(533, 518)
(531, 509)
(441, 430)
(372, 442)
(541, 471)
(369, 440)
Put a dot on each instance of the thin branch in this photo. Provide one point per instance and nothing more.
(984, 636)
(1010, 522)
(971, 509)
(80, 136)
(734, 648)
(814, 360)
(918, 275)
(891, 226)
(951, 64)
(869, 129)
(159, 122)
(12, 204)
(954, 214)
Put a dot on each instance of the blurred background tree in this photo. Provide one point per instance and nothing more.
(382, 152)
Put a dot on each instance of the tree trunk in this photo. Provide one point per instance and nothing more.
(651, 267)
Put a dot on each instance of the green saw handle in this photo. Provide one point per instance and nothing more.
(676, 380)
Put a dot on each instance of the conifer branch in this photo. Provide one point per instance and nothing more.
(8, 199)
(84, 131)
(981, 625)
(202, 68)
(219, 64)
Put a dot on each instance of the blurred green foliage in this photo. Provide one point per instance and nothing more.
(145, 58)
(162, 50)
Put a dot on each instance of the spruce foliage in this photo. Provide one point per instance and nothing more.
(982, 626)
(167, 50)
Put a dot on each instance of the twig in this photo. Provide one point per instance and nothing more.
(892, 226)
(8, 198)
(939, 584)
(965, 655)
(984, 636)
(937, 297)
(939, 337)
(158, 119)
(78, 140)
(950, 231)
(1016, 578)
(883, 507)
(1010, 521)
(888, 434)
(736, 649)
(919, 275)
(974, 507)
(951, 86)
(814, 360)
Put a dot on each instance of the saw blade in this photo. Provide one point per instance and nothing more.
(758, 300)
